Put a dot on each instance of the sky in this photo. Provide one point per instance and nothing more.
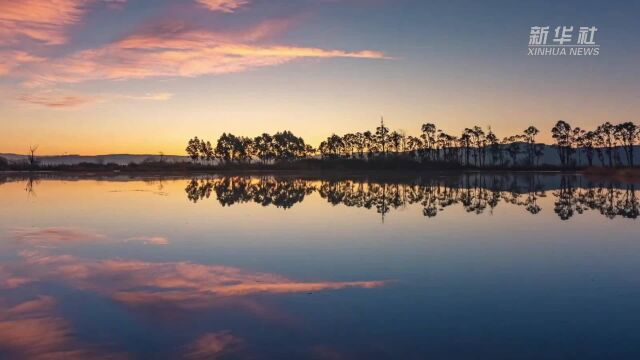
(132, 76)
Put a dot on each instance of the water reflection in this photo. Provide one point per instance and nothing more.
(33, 324)
(475, 193)
(130, 267)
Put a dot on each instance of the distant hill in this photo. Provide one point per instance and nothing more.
(550, 157)
(120, 159)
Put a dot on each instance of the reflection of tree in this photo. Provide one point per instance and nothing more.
(476, 193)
(565, 204)
(611, 202)
(30, 186)
(198, 190)
(264, 191)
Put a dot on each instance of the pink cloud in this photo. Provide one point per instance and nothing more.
(32, 330)
(179, 51)
(41, 20)
(9, 280)
(63, 100)
(183, 284)
(57, 100)
(212, 345)
(11, 60)
(54, 235)
(150, 240)
(45, 21)
(227, 6)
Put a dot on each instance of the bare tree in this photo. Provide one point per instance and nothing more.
(32, 155)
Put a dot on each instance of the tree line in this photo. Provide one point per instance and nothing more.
(283, 146)
(473, 147)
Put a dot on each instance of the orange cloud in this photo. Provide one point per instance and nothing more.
(227, 6)
(41, 20)
(177, 51)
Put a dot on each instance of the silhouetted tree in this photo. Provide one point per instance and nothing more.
(230, 148)
(628, 133)
(193, 149)
(608, 135)
(562, 133)
(382, 137)
(429, 139)
(588, 143)
(33, 162)
(530, 137)
(473, 147)
(287, 146)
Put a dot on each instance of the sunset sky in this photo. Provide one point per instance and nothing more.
(133, 76)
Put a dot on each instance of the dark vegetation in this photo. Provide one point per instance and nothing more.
(386, 150)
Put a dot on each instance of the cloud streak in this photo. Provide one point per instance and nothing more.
(56, 100)
(176, 50)
(54, 235)
(149, 240)
(160, 96)
(226, 6)
(61, 100)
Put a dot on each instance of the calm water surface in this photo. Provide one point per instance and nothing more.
(542, 266)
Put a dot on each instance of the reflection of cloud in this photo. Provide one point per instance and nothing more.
(212, 345)
(54, 235)
(31, 330)
(227, 6)
(182, 284)
(321, 352)
(179, 50)
(10, 281)
(149, 240)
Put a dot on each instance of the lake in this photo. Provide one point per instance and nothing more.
(472, 266)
